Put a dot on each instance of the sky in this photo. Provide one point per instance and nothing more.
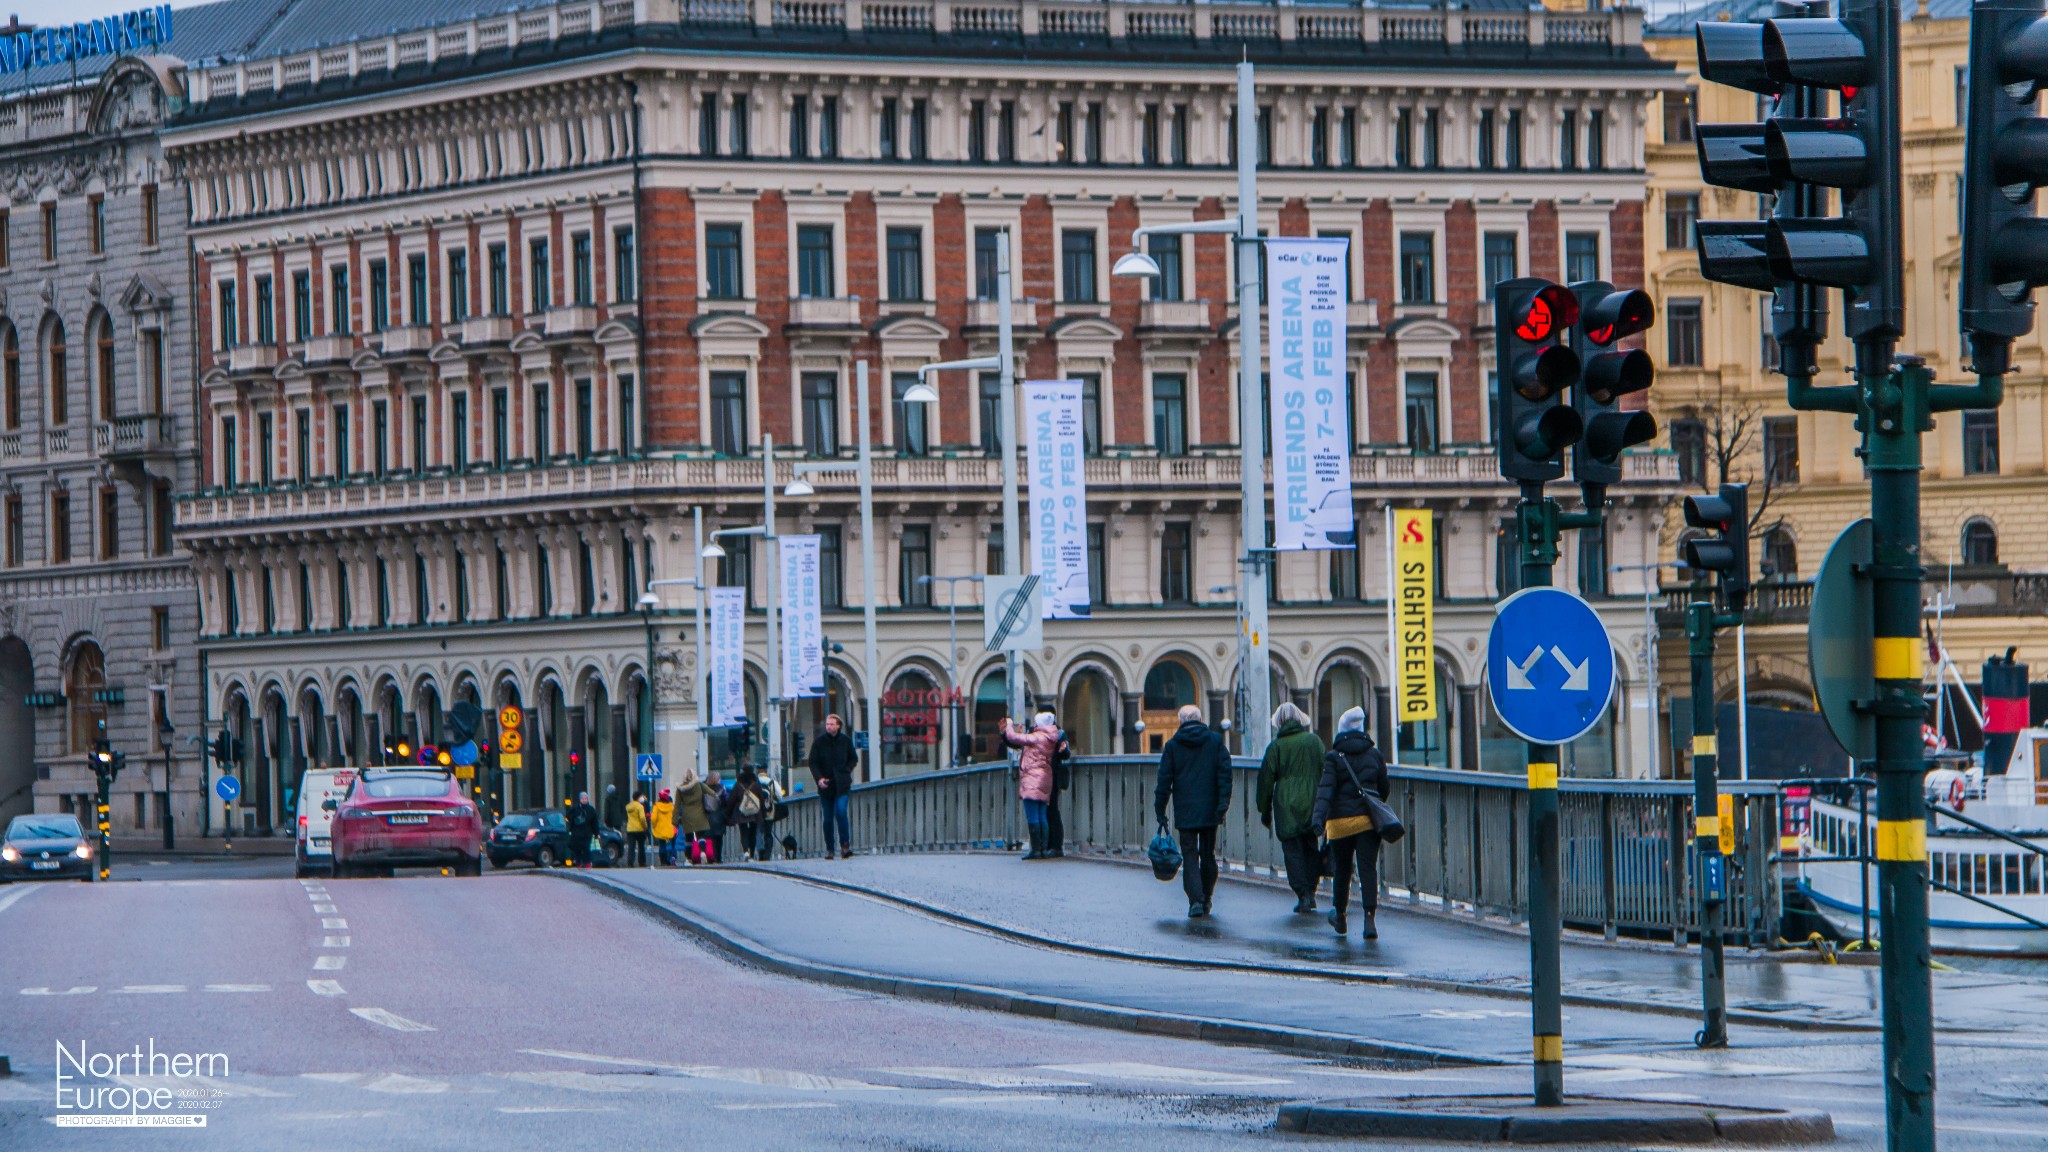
(46, 12)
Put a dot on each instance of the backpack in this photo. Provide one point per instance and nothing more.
(750, 803)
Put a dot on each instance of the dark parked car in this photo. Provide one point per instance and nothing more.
(45, 846)
(540, 836)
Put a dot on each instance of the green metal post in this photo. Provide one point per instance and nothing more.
(1706, 811)
(1538, 523)
(1895, 413)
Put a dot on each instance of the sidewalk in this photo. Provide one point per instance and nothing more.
(1127, 912)
(153, 846)
(844, 937)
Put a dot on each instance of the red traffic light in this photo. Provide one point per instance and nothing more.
(1548, 308)
(1619, 314)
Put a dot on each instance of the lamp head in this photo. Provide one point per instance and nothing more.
(1135, 264)
(799, 487)
(713, 551)
(649, 600)
(920, 392)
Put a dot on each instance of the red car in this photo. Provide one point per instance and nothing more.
(406, 817)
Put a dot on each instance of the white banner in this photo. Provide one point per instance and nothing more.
(1058, 496)
(803, 625)
(1311, 456)
(728, 655)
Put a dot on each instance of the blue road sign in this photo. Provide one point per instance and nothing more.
(648, 767)
(860, 741)
(227, 788)
(1549, 665)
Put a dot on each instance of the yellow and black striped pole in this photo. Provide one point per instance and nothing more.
(1709, 874)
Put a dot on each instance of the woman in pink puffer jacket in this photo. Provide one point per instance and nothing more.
(1034, 773)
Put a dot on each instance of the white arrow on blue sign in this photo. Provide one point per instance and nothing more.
(1549, 665)
(648, 767)
(227, 788)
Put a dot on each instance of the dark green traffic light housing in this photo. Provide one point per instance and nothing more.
(1532, 319)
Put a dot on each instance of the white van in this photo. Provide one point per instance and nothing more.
(315, 850)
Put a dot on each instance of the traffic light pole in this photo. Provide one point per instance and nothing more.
(1711, 878)
(1539, 521)
(104, 808)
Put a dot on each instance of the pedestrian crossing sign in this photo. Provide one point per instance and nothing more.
(649, 766)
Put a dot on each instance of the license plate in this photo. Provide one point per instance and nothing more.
(408, 818)
(319, 841)
(43, 865)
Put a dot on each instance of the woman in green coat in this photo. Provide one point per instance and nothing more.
(1287, 793)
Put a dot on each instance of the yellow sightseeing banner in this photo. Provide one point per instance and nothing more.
(1414, 615)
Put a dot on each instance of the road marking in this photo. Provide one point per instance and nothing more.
(541, 1109)
(767, 1077)
(325, 909)
(238, 987)
(1131, 1070)
(332, 924)
(588, 1058)
(147, 989)
(580, 1081)
(391, 1083)
(80, 990)
(996, 1098)
(326, 987)
(11, 897)
(334, 942)
(390, 1020)
(768, 1107)
(987, 1077)
(328, 963)
(1363, 1075)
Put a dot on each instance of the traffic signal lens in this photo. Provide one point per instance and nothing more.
(1732, 53)
(1710, 555)
(1819, 53)
(1708, 512)
(404, 749)
(1612, 375)
(1620, 314)
(1549, 309)
(1545, 374)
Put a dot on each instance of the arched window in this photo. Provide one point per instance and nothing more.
(1342, 689)
(913, 717)
(1088, 713)
(1781, 555)
(1169, 686)
(10, 376)
(103, 363)
(57, 372)
(1980, 543)
(84, 680)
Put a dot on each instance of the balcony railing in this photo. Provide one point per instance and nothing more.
(905, 477)
(1972, 594)
(128, 437)
(825, 312)
(986, 313)
(358, 62)
(247, 358)
(564, 323)
(1186, 315)
(481, 330)
(330, 349)
(412, 340)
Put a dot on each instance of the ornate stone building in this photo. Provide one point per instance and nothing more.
(488, 308)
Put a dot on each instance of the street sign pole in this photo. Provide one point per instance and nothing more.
(1710, 879)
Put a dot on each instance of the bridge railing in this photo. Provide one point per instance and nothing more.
(1627, 844)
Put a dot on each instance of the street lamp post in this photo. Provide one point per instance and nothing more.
(1253, 643)
(771, 698)
(952, 651)
(650, 600)
(864, 466)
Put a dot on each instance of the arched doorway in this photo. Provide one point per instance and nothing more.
(1170, 686)
(1341, 689)
(598, 768)
(1427, 743)
(17, 729)
(991, 704)
(85, 677)
(548, 741)
(913, 723)
(350, 727)
(1088, 713)
(274, 760)
(807, 714)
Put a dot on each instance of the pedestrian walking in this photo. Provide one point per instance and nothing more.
(692, 821)
(636, 831)
(582, 830)
(749, 806)
(713, 807)
(833, 760)
(663, 826)
(1288, 777)
(1034, 774)
(1194, 773)
(1062, 779)
(614, 808)
(1351, 766)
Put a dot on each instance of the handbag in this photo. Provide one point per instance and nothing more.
(1165, 855)
(1379, 814)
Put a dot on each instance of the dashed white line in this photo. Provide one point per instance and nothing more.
(775, 1107)
(542, 1109)
(325, 909)
(333, 923)
(580, 1081)
(238, 987)
(390, 1020)
(334, 942)
(329, 963)
(326, 987)
(147, 989)
(79, 990)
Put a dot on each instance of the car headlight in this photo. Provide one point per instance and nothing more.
(10, 854)
(83, 851)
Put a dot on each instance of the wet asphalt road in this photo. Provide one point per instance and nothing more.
(523, 1011)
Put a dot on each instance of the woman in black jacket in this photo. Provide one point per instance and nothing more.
(1352, 765)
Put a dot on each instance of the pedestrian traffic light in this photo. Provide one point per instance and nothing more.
(1531, 319)
(2005, 157)
(1726, 553)
(1856, 151)
(1608, 315)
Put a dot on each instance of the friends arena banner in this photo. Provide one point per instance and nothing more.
(1058, 496)
(1311, 456)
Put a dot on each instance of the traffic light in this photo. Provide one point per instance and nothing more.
(1608, 315)
(1798, 151)
(1726, 554)
(2005, 157)
(226, 748)
(1531, 318)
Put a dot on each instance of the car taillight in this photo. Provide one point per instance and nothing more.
(302, 821)
(354, 813)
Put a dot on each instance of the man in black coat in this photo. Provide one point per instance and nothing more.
(614, 808)
(582, 826)
(833, 759)
(1194, 772)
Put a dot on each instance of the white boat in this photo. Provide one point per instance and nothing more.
(1986, 894)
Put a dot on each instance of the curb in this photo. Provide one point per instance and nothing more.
(1339, 975)
(1024, 1004)
(1501, 1120)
